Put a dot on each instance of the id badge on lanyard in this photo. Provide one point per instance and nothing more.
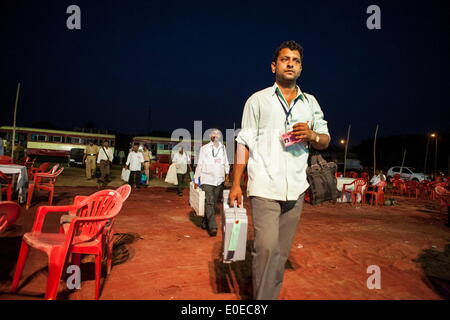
(288, 139)
(287, 123)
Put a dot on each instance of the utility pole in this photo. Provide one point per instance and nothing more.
(14, 123)
(346, 146)
(403, 161)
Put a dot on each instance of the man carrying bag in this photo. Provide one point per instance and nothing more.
(278, 123)
(104, 159)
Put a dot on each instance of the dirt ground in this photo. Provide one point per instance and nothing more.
(162, 253)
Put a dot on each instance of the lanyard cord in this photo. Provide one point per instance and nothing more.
(212, 151)
(287, 113)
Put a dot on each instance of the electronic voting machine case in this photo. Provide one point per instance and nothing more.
(234, 228)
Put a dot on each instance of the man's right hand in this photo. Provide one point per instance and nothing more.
(195, 185)
(235, 195)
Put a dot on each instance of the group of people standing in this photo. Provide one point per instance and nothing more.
(101, 157)
(138, 160)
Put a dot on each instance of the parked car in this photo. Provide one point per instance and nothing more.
(407, 173)
(76, 157)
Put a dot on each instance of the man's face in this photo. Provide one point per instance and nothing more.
(215, 136)
(105, 144)
(288, 65)
(135, 148)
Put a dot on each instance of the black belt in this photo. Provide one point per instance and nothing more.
(91, 154)
(147, 161)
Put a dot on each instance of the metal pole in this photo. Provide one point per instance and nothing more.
(435, 156)
(403, 161)
(14, 123)
(426, 155)
(374, 149)
(346, 146)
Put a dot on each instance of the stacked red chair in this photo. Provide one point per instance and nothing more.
(43, 181)
(85, 235)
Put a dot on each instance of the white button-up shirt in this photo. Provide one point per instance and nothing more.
(181, 161)
(135, 161)
(276, 172)
(377, 179)
(212, 164)
(102, 155)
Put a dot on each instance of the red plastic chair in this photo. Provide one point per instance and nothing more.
(398, 186)
(444, 197)
(41, 169)
(365, 175)
(5, 186)
(9, 213)
(85, 236)
(411, 188)
(124, 192)
(377, 195)
(338, 174)
(5, 160)
(43, 181)
(358, 185)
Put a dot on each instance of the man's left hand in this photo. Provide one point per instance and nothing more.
(301, 130)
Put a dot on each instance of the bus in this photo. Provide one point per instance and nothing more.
(50, 143)
(161, 148)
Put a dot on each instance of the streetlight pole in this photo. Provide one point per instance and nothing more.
(426, 155)
(435, 155)
(346, 146)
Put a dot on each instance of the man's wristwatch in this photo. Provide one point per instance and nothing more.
(317, 139)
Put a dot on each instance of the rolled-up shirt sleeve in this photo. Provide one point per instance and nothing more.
(320, 125)
(249, 126)
(198, 169)
(227, 163)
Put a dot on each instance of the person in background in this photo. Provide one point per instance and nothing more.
(147, 158)
(181, 160)
(104, 160)
(377, 178)
(90, 158)
(121, 156)
(373, 183)
(212, 170)
(134, 163)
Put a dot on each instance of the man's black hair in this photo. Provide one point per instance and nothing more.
(136, 144)
(292, 45)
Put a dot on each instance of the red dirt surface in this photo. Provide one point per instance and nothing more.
(164, 254)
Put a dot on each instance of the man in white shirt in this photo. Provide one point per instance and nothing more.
(212, 170)
(277, 174)
(377, 178)
(182, 161)
(104, 159)
(134, 163)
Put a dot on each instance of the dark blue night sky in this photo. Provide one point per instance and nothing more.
(191, 61)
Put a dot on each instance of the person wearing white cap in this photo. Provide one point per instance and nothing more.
(212, 170)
